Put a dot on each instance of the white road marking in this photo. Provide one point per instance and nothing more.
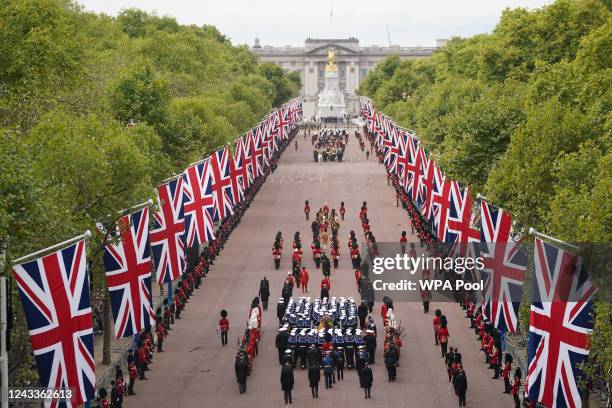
(281, 180)
(302, 178)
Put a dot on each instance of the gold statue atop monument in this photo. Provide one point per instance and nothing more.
(331, 61)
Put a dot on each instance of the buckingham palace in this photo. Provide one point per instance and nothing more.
(353, 61)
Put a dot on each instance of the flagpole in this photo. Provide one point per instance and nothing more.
(481, 197)
(533, 231)
(85, 236)
(169, 179)
(137, 207)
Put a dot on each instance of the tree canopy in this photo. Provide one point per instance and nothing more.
(96, 110)
(523, 116)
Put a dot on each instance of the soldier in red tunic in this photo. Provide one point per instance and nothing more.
(102, 399)
(443, 336)
(355, 256)
(307, 210)
(316, 254)
(133, 374)
(276, 254)
(403, 240)
(516, 385)
(304, 279)
(290, 279)
(160, 331)
(335, 254)
(325, 282)
(297, 257)
(494, 361)
(342, 210)
(224, 327)
(436, 324)
(506, 376)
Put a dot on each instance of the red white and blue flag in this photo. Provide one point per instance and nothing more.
(504, 267)
(225, 192)
(241, 158)
(460, 228)
(370, 116)
(414, 168)
(271, 137)
(168, 233)
(560, 323)
(441, 202)
(198, 203)
(54, 291)
(282, 122)
(257, 153)
(261, 134)
(127, 263)
(392, 147)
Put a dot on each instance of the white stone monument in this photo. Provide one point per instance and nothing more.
(331, 102)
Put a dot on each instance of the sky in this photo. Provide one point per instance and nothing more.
(290, 22)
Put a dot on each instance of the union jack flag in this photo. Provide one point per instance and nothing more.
(198, 203)
(272, 136)
(403, 158)
(414, 168)
(560, 322)
(460, 231)
(426, 186)
(370, 116)
(257, 153)
(261, 132)
(54, 291)
(241, 159)
(440, 205)
(128, 274)
(282, 122)
(225, 194)
(168, 233)
(504, 267)
(391, 146)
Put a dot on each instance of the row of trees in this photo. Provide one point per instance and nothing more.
(523, 116)
(96, 110)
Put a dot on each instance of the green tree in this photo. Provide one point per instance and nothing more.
(140, 95)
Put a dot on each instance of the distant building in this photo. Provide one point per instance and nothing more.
(354, 62)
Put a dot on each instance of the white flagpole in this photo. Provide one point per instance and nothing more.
(85, 236)
(137, 207)
(533, 231)
(169, 179)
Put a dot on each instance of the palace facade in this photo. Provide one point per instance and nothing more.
(353, 60)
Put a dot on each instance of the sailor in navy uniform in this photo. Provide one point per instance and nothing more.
(339, 353)
(313, 356)
(280, 310)
(370, 343)
(288, 358)
(349, 343)
(362, 359)
(302, 344)
(282, 342)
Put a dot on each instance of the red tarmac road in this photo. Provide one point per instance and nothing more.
(196, 371)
